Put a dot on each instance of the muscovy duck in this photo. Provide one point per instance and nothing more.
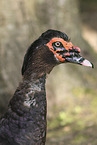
(25, 123)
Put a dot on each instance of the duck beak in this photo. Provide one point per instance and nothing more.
(73, 56)
(77, 59)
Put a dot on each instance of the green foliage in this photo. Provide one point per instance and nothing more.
(65, 118)
(78, 118)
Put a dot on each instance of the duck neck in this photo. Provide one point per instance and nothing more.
(35, 89)
(29, 104)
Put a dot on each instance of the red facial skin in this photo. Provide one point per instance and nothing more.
(67, 45)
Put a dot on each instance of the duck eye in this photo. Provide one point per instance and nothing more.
(57, 44)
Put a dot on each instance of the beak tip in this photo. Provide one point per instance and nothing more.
(92, 65)
(87, 63)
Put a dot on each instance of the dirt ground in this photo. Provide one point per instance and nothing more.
(67, 136)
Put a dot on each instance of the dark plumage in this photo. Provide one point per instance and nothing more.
(24, 123)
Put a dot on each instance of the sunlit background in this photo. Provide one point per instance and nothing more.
(71, 89)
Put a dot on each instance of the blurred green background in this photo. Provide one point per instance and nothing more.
(71, 89)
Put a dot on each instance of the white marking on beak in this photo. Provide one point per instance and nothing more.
(87, 63)
(79, 59)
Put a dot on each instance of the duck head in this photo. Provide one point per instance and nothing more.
(51, 48)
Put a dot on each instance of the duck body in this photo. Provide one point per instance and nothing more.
(25, 122)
